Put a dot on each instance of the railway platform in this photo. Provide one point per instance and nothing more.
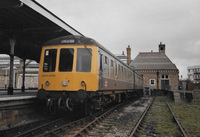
(18, 97)
(21, 106)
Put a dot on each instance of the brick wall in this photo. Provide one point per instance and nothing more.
(146, 80)
(173, 81)
(152, 75)
(12, 116)
(193, 86)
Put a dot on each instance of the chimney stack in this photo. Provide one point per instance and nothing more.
(162, 48)
(128, 55)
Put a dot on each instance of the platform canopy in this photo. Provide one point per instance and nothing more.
(30, 25)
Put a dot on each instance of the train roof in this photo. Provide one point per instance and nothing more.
(72, 39)
(81, 40)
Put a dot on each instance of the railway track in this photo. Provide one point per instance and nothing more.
(15, 130)
(157, 120)
(116, 122)
(82, 126)
(175, 118)
(51, 127)
(32, 128)
(101, 123)
(149, 125)
(140, 120)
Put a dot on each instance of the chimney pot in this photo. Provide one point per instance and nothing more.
(162, 48)
(128, 55)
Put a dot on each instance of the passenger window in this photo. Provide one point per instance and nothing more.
(84, 57)
(112, 63)
(101, 65)
(111, 69)
(106, 60)
(49, 60)
(116, 69)
(66, 59)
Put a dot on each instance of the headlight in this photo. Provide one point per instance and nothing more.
(47, 83)
(82, 83)
(64, 83)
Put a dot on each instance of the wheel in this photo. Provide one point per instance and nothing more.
(51, 106)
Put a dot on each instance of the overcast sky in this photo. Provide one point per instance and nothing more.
(142, 24)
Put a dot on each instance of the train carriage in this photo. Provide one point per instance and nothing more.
(77, 69)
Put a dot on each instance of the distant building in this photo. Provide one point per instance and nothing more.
(125, 58)
(122, 57)
(194, 73)
(31, 75)
(157, 69)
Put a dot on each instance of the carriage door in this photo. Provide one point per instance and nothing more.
(100, 70)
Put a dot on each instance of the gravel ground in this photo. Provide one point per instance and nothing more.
(158, 122)
(122, 121)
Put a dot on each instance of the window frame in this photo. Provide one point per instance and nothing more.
(165, 76)
(47, 62)
(89, 50)
(154, 82)
(72, 60)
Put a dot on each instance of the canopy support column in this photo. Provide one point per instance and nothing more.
(23, 77)
(12, 46)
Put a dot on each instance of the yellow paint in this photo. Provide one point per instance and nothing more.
(74, 78)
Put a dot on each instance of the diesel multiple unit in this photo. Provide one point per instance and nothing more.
(76, 70)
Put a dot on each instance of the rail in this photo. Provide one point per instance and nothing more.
(101, 117)
(180, 127)
(141, 118)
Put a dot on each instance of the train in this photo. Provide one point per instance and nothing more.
(78, 72)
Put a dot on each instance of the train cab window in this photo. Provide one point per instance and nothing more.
(66, 59)
(84, 57)
(49, 60)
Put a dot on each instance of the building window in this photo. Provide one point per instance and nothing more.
(152, 81)
(165, 77)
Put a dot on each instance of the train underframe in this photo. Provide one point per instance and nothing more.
(85, 101)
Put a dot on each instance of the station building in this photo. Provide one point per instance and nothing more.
(31, 72)
(157, 69)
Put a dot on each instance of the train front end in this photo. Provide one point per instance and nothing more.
(68, 71)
